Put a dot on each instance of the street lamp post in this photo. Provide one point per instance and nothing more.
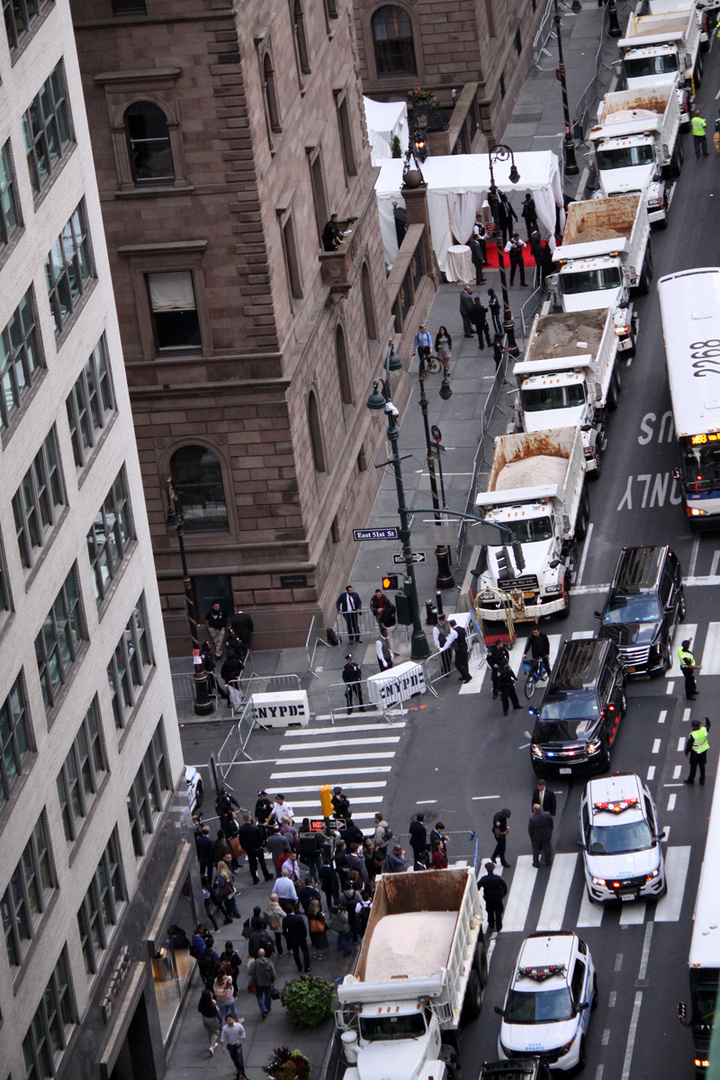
(419, 647)
(203, 705)
(571, 165)
(614, 29)
(432, 366)
(500, 152)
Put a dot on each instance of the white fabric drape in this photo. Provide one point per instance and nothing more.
(463, 208)
(384, 120)
(172, 292)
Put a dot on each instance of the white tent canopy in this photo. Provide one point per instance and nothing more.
(457, 188)
(385, 119)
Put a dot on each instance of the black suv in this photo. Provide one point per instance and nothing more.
(579, 716)
(644, 604)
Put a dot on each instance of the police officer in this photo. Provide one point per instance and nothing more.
(514, 248)
(494, 891)
(696, 749)
(352, 677)
(497, 657)
(507, 680)
(500, 830)
(698, 131)
(688, 668)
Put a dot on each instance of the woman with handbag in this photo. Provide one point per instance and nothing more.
(262, 980)
(225, 888)
(224, 994)
(318, 929)
(210, 1016)
(274, 916)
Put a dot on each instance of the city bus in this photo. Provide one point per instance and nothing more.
(690, 315)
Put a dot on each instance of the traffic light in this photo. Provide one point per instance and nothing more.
(390, 581)
(504, 563)
(326, 800)
(402, 609)
(518, 553)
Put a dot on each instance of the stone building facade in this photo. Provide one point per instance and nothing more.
(473, 56)
(224, 137)
(95, 849)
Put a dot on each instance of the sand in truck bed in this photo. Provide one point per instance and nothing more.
(535, 471)
(414, 944)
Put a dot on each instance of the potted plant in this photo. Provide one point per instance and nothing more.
(309, 1000)
(287, 1064)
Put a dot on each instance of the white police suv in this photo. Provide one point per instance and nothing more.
(621, 840)
(547, 1007)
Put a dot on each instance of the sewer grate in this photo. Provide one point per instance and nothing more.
(537, 73)
(527, 118)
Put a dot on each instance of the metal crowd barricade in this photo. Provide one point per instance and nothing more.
(312, 641)
(233, 748)
(545, 32)
(368, 625)
(184, 690)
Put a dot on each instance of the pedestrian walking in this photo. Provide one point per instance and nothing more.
(494, 306)
(438, 858)
(500, 830)
(688, 668)
(274, 916)
(699, 135)
(423, 342)
(506, 215)
(461, 651)
(494, 890)
(479, 318)
(418, 835)
(210, 1016)
(544, 798)
(443, 347)
(497, 658)
(514, 248)
(262, 972)
(477, 254)
(225, 888)
(536, 250)
(480, 234)
(696, 749)
(507, 681)
(382, 835)
(395, 863)
(466, 308)
(318, 929)
(232, 1037)
(538, 646)
(252, 839)
(540, 828)
(350, 604)
(296, 934)
(442, 632)
(388, 623)
(378, 602)
(498, 350)
(385, 654)
(225, 806)
(286, 891)
(224, 993)
(529, 214)
(352, 677)
(242, 626)
(340, 923)
(216, 621)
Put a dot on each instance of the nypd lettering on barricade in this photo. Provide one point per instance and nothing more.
(402, 682)
(289, 708)
(272, 712)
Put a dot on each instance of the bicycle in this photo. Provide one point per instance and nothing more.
(536, 673)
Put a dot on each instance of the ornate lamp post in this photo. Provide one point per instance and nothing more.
(613, 24)
(203, 705)
(500, 152)
(571, 165)
(432, 366)
(380, 400)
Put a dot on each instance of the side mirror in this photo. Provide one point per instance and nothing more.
(660, 835)
(580, 844)
(586, 427)
(597, 614)
(499, 1011)
(554, 563)
(583, 1006)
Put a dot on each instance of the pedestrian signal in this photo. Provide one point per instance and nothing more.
(390, 581)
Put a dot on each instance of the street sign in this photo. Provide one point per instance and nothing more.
(376, 534)
(436, 433)
(417, 556)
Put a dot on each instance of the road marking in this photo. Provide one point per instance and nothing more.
(666, 830)
(352, 786)
(633, 914)
(656, 746)
(642, 972)
(618, 962)
(600, 1071)
(677, 861)
(582, 635)
(714, 563)
(605, 1039)
(338, 771)
(303, 733)
(589, 590)
(694, 556)
(520, 894)
(651, 772)
(590, 914)
(425, 802)
(677, 772)
(340, 742)
(586, 548)
(670, 688)
(662, 717)
(688, 631)
(479, 798)
(631, 1036)
(672, 799)
(681, 745)
(710, 662)
(556, 892)
(612, 999)
(326, 758)
(686, 715)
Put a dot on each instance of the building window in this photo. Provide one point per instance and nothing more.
(502, 85)
(490, 15)
(57, 646)
(149, 143)
(393, 40)
(28, 893)
(123, 7)
(368, 304)
(78, 779)
(46, 128)
(47, 1036)
(19, 18)
(319, 191)
(14, 738)
(90, 404)
(361, 460)
(20, 357)
(99, 911)
(292, 261)
(9, 219)
(131, 661)
(343, 367)
(68, 269)
(174, 311)
(518, 41)
(5, 601)
(37, 501)
(300, 34)
(110, 537)
(346, 141)
(146, 796)
(316, 438)
(335, 531)
(197, 477)
(331, 8)
(272, 107)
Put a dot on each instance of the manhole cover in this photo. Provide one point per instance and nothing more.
(526, 118)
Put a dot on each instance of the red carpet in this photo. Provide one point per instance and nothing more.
(492, 255)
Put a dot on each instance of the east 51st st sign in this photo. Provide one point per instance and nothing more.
(376, 534)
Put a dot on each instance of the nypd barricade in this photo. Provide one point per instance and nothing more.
(400, 683)
(286, 709)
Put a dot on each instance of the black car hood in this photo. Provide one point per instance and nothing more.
(562, 732)
(624, 634)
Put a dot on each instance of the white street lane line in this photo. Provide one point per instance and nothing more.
(688, 631)
(357, 801)
(656, 746)
(677, 861)
(582, 635)
(323, 758)
(714, 563)
(600, 1071)
(666, 830)
(694, 556)
(521, 892)
(672, 799)
(338, 772)
(677, 772)
(642, 971)
(651, 772)
(352, 786)
(662, 717)
(300, 747)
(618, 962)
(681, 745)
(710, 662)
(586, 548)
(477, 679)
(632, 1034)
(686, 716)
(670, 688)
(556, 892)
(479, 798)
(612, 999)
(304, 733)
(633, 913)
(425, 802)
(605, 1037)
(590, 914)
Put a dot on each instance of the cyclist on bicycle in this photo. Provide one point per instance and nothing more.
(538, 646)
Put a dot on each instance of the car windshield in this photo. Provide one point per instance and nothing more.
(618, 839)
(538, 1008)
(639, 67)
(580, 704)
(624, 157)
(547, 398)
(591, 280)
(530, 530)
(375, 1028)
(638, 608)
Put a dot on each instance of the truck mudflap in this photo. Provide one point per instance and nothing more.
(524, 611)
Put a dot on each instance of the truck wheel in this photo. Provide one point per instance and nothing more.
(583, 515)
(675, 162)
(581, 1056)
(480, 964)
(649, 263)
(699, 72)
(473, 996)
(643, 285)
(614, 391)
(565, 613)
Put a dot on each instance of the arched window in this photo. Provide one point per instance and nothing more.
(316, 439)
(301, 37)
(198, 481)
(393, 41)
(149, 141)
(343, 369)
(368, 304)
(270, 93)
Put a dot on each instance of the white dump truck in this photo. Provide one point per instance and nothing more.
(422, 967)
(705, 13)
(569, 378)
(637, 148)
(664, 50)
(537, 491)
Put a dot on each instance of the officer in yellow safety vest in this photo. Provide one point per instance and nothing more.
(687, 666)
(696, 749)
(698, 130)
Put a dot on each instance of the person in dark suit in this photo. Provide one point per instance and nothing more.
(494, 891)
(462, 653)
(540, 829)
(418, 836)
(466, 309)
(529, 213)
(545, 798)
(479, 318)
(243, 627)
(506, 215)
(477, 255)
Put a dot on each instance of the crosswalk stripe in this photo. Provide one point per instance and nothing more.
(582, 635)
(357, 801)
(689, 630)
(340, 742)
(520, 896)
(590, 914)
(633, 913)
(677, 861)
(556, 892)
(352, 786)
(342, 757)
(711, 653)
(303, 733)
(337, 772)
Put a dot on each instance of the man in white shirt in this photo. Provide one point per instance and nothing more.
(282, 811)
(443, 636)
(385, 654)
(231, 1039)
(514, 248)
(285, 889)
